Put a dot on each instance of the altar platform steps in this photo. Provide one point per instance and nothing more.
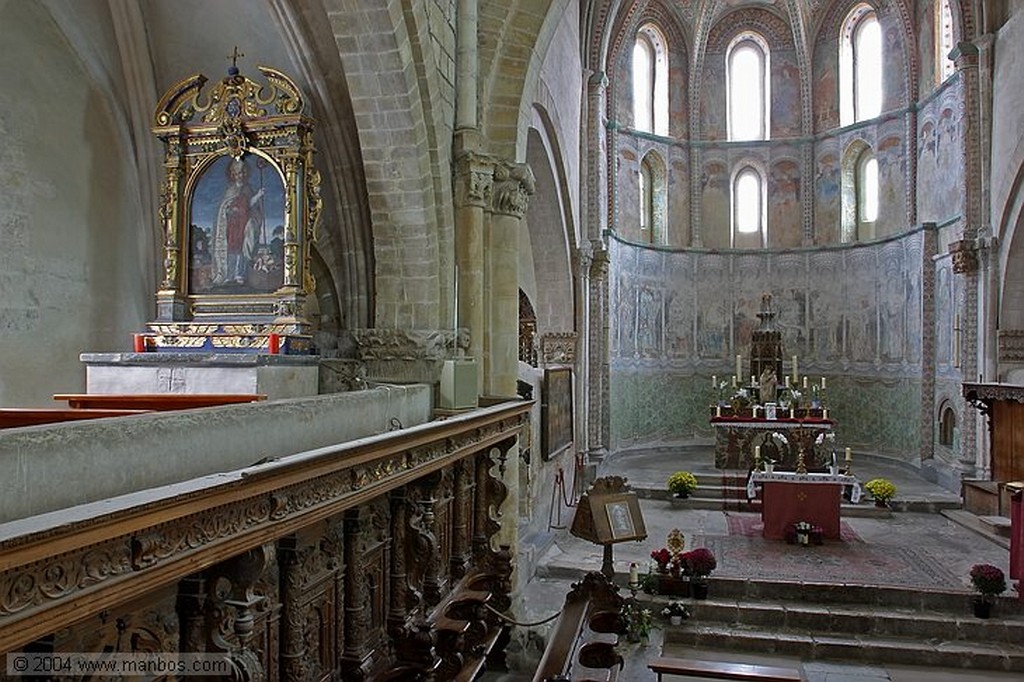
(862, 624)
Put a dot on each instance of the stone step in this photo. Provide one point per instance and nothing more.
(998, 525)
(855, 621)
(860, 648)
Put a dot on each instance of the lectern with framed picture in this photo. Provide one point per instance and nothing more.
(607, 513)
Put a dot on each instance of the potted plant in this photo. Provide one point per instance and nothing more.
(989, 581)
(639, 621)
(662, 557)
(882, 490)
(682, 483)
(675, 611)
(699, 562)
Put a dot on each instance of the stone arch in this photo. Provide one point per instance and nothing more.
(659, 179)
(397, 106)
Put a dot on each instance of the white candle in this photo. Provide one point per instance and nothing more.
(787, 381)
(791, 414)
(823, 383)
(796, 374)
(739, 365)
(714, 380)
(734, 381)
(805, 382)
(849, 455)
(824, 413)
(718, 410)
(756, 408)
(634, 574)
(757, 454)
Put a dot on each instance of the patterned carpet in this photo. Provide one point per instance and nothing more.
(750, 526)
(744, 554)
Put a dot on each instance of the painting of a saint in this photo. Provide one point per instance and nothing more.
(237, 225)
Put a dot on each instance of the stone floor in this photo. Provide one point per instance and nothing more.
(922, 549)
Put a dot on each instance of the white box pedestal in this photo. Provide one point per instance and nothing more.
(276, 376)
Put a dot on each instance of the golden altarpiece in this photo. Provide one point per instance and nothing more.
(239, 207)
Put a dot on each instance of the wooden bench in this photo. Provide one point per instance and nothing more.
(154, 401)
(15, 417)
(719, 670)
(582, 645)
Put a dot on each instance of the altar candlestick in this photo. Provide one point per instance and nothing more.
(849, 455)
(734, 381)
(754, 411)
(823, 383)
(714, 380)
(791, 413)
(824, 413)
(757, 454)
(805, 382)
(796, 374)
(718, 410)
(787, 381)
(739, 365)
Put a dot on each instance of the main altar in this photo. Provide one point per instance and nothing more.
(764, 418)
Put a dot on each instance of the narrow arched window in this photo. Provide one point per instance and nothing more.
(748, 88)
(650, 81)
(947, 427)
(867, 194)
(748, 208)
(860, 66)
(944, 67)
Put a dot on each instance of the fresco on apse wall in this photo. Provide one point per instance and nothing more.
(839, 309)
(892, 184)
(858, 307)
(715, 204)
(712, 98)
(627, 191)
(828, 196)
(939, 173)
(678, 200)
(784, 214)
(946, 295)
(785, 93)
(826, 109)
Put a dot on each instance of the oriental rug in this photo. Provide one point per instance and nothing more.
(750, 526)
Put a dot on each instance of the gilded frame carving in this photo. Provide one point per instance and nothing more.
(239, 208)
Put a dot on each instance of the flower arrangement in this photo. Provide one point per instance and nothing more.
(987, 579)
(682, 483)
(882, 489)
(639, 621)
(675, 609)
(663, 558)
(699, 562)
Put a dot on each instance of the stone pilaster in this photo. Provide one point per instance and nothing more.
(965, 255)
(584, 258)
(473, 186)
(599, 425)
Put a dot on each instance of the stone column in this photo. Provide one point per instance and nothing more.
(598, 396)
(928, 350)
(473, 178)
(513, 183)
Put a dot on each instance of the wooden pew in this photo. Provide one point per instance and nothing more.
(720, 670)
(154, 401)
(14, 417)
(582, 645)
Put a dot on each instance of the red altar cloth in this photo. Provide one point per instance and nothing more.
(783, 504)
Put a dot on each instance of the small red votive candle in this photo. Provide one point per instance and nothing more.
(140, 343)
(274, 344)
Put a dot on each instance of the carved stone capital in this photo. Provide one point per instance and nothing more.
(474, 179)
(599, 267)
(558, 348)
(513, 184)
(965, 256)
(403, 344)
(964, 55)
(584, 258)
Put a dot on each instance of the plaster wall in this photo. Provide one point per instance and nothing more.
(109, 457)
(71, 274)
